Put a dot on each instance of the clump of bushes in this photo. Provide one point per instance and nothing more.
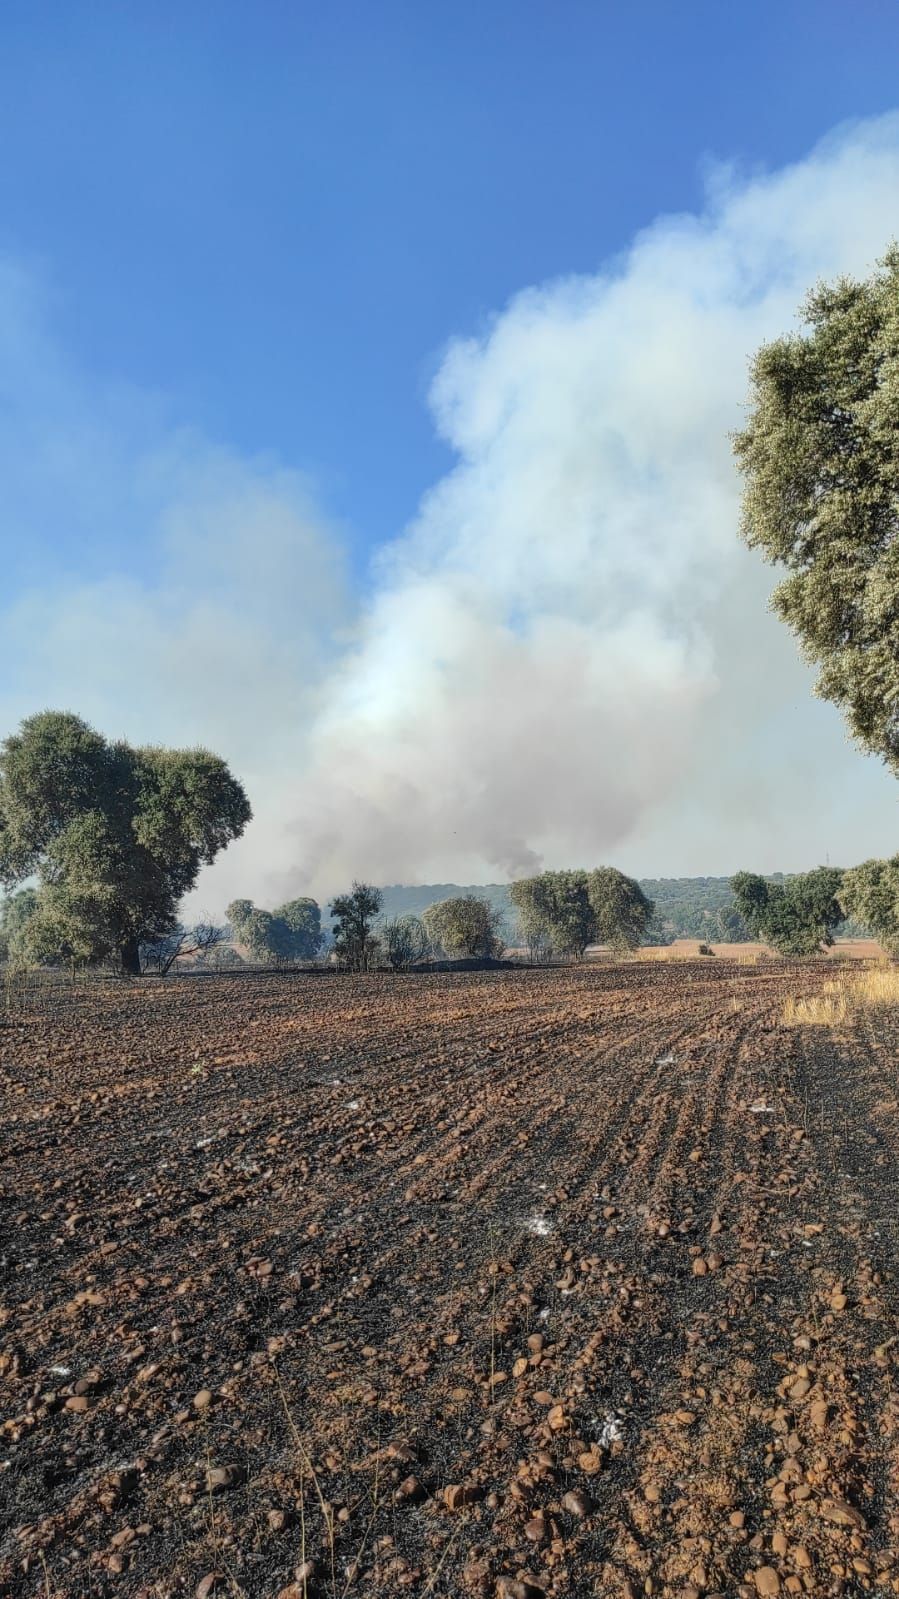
(292, 932)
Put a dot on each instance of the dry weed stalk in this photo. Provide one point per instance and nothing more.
(217, 1548)
(306, 1461)
(494, 1271)
(375, 1507)
(437, 1569)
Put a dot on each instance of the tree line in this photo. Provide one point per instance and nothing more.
(799, 915)
(99, 842)
(559, 913)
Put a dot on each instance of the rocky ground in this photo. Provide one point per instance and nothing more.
(517, 1283)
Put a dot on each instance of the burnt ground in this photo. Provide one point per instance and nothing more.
(571, 1282)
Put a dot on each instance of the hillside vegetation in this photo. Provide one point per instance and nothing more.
(686, 907)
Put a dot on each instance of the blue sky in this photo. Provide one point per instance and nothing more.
(365, 379)
(274, 217)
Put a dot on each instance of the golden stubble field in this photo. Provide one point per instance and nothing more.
(515, 1283)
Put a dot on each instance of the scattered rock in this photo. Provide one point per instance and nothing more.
(577, 1504)
(410, 1491)
(220, 1478)
(766, 1580)
(460, 1494)
(842, 1514)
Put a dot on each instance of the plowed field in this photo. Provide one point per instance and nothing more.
(563, 1282)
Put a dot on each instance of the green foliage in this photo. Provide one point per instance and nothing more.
(465, 927)
(114, 835)
(620, 908)
(693, 907)
(403, 942)
(353, 914)
(304, 919)
(16, 911)
(685, 907)
(267, 939)
(796, 916)
(752, 894)
(554, 912)
(238, 912)
(291, 932)
(820, 459)
(566, 911)
(870, 895)
(731, 927)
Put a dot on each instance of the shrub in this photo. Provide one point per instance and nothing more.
(466, 926)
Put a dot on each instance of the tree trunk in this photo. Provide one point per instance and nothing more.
(130, 956)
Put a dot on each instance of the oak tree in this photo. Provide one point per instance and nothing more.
(114, 835)
(820, 461)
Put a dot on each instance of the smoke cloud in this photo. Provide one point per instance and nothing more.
(549, 644)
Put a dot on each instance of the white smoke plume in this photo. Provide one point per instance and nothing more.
(546, 643)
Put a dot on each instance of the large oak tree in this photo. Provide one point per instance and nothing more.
(113, 835)
(820, 459)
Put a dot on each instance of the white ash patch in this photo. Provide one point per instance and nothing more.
(540, 1226)
(610, 1430)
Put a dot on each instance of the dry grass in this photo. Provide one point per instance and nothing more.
(661, 952)
(830, 1008)
(845, 997)
(688, 949)
(876, 985)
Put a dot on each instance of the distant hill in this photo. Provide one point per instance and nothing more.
(686, 907)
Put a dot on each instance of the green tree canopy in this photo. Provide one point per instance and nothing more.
(820, 459)
(304, 918)
(114, 835)
(870, 894)
(620, 908)
(466, 926)
(291, 932)
(796, 916)
(568, 910)
(554, 909)
(354, 913)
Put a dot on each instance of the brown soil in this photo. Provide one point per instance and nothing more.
(575, 1282)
